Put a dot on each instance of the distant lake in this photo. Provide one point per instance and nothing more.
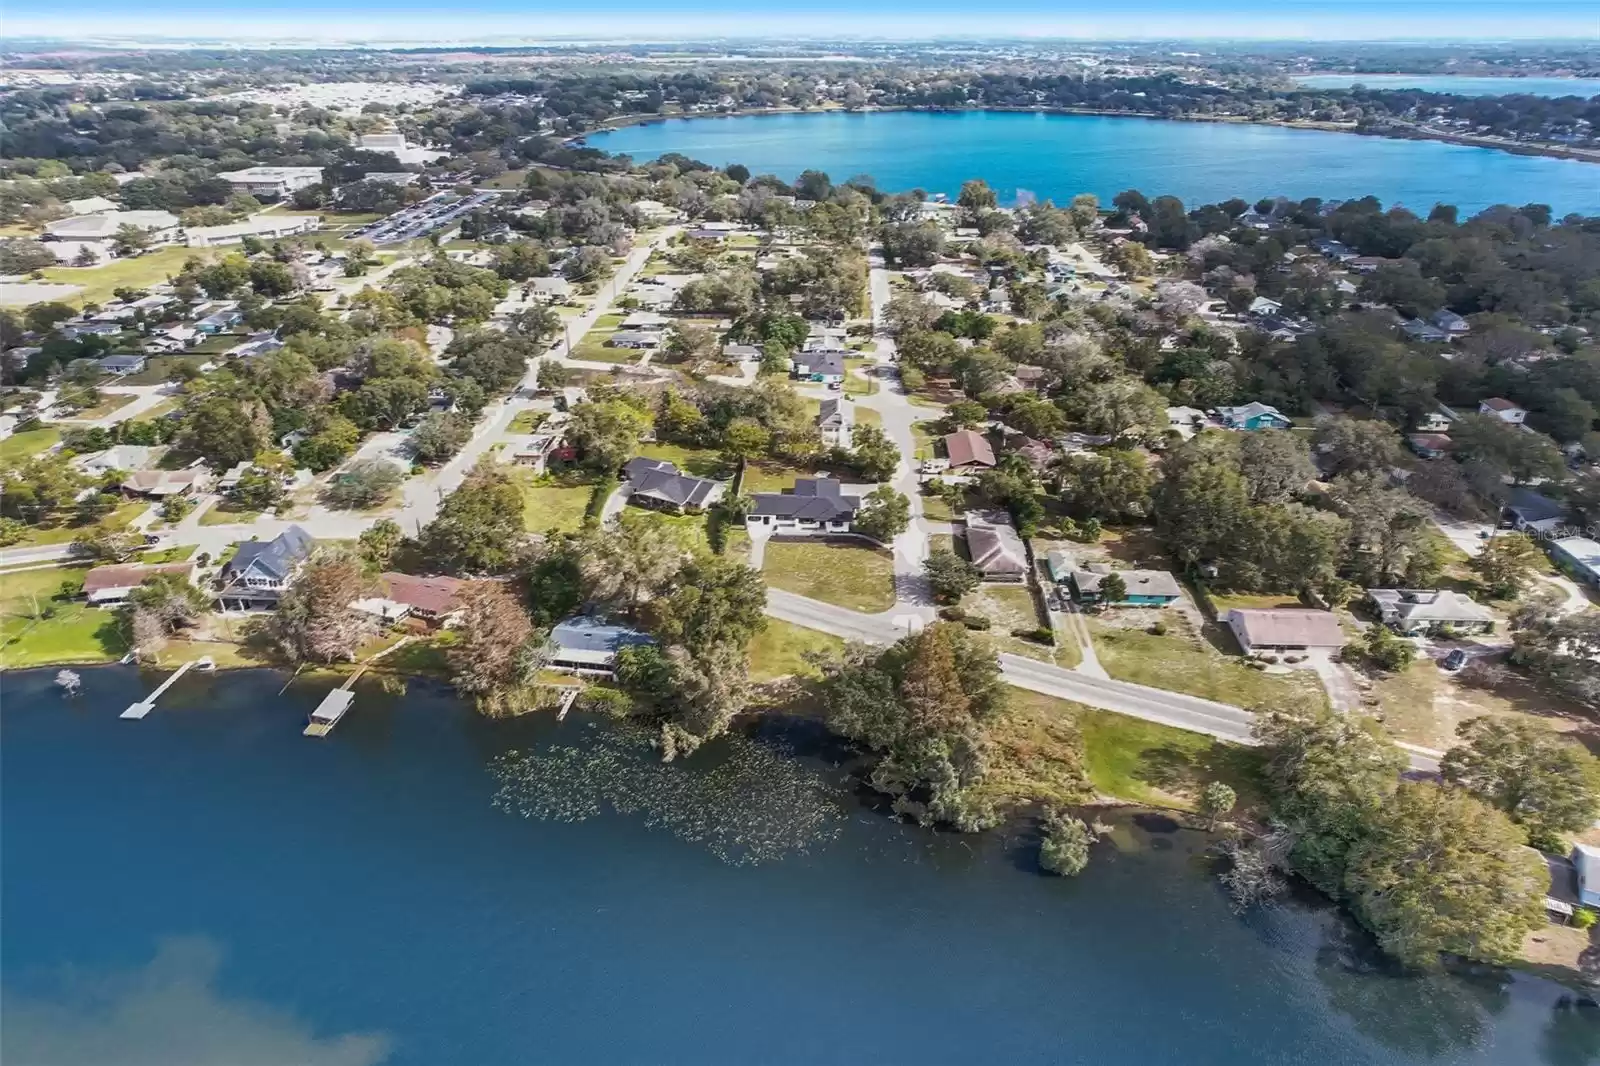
(1059, 156)
(428, 888)
(1461, 86)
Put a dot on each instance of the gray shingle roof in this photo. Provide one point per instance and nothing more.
(276, 557)
(658, 479)
(813, 500)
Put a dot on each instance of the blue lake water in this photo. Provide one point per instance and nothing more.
(1059, 156)
(1460, 85)
(426, 887)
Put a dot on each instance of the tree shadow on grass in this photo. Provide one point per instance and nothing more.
(1184, 771)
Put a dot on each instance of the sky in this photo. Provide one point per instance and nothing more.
(426, 21)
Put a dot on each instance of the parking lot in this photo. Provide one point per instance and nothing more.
(419, 220)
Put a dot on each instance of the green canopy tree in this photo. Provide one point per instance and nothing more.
(1540, 780)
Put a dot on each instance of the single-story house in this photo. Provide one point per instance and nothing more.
(1526, 510)
(633, 338)
(121, 457)
(90, 205)
(1586, 860)
(1186, 420)
(741, 353)
(548, 290)
(123, 364)
(1261, 305)
(164, 483)
(969, 450)
(219, 321)
(826, 367)
(588, 646)
(230, 479)
(535, 450)
(1146, 588)
(1414, 612)
(834, 421)
(816, 505)
(1451, 322)
(645, 320)
(260, 571)
(109, 586)
(1278, 629)
(658, 484)
(996, 549)
(1580, 557)
(435, 600)
(1430, 445)
(1253, 416)
(1426, 332)
(1503, 409)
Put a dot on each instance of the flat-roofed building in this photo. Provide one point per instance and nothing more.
(273, 183)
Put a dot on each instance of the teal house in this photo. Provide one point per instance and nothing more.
(1145, 588)
(1253, 416)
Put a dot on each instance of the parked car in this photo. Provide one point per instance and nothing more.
(1455, 660)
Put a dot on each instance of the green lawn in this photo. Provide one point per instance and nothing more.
(159, 368)
(550, 504)
(1180, 661)
(65, 531)
(165, 407)
(766, 475)
(840, 573)
(61, 631)
(924, 433)
(140, 272)
(779, 650)
(854, 386)
(22, 445)
(700, 462)
(1055, 751)
(866, 416)
(110, 404)
(528, 421)
(226, 514)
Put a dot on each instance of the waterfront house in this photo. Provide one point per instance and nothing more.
(1503, 409)
(109, 586)
(968, 452)
(833, 421)
(814, 506)
(1253, 416)
(659, 485)
(1285, 629)
(435, 601)
(996, 549)
(261, 571)
(1416, 612)
(1580, 557)
(587, 646)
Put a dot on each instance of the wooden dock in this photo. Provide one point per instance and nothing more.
(148, 704)
(337, 702)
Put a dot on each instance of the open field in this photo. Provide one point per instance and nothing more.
(700, 462)
(837, 572)
(1182, 661)
(767, 475)
(550, 504)
(779, 650)
(138, 272)
(65, 531)
(1424, 705)
(20, 446)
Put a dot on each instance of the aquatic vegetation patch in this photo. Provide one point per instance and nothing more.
(746, 801)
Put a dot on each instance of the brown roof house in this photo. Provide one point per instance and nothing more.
(1285, 629)
(434, 600)
(109, 586)
(969, 450)
(995, 547)
(164, 483)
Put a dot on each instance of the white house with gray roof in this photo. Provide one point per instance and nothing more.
(261, 571)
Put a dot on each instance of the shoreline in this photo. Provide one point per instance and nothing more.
(1398, 133)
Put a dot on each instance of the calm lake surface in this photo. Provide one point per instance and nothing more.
(425, 887)
(1059, 156)
(1461, 86)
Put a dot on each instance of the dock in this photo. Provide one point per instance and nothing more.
(335, 703)
(148, 704)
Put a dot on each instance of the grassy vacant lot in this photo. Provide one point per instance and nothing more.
(778, 651)
(1011, 607)
(866, 416)
(36, 629)
(838, 572)
(159, 368)
(100, 282)
(226, 514)
(1424, 705)
(855, 386)
(20, 446)
(110, 403)
(527, 421)
(1183, 661)
(1036, 757)
(768, 475)
(548, 503)
(1227, 601)
(66, 531)
(924, 433)
(701, 462)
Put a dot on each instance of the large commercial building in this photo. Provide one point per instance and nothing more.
(271, 183)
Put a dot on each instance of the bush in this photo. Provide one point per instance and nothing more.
(976, 621)
(952, 614)
(1583, 918)
(608, 701)
(1064, 851)
(597, 501)
(1157, 629)
(1039, 635)
(1269, 659)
